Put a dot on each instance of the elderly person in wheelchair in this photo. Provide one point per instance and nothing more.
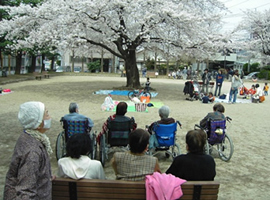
(216, 115)
(75, 116)
(121, 110)
(163, 112)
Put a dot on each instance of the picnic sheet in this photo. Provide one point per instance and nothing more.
(3, 93)
(131, 106)
(119, 92)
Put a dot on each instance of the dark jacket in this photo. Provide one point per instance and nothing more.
(193, 167)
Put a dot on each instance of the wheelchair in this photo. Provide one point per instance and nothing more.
(70, 128)
(217, 137)
(116, 137)
(164, 139)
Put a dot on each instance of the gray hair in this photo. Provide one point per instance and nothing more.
(73, 107)
(164, 112)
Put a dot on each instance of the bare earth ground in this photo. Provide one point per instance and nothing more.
(245, 176)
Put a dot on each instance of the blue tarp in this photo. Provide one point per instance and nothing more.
(119, 92)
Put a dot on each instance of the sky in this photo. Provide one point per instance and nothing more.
(237, 8)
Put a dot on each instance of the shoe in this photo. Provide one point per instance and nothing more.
(229, 102)
(233, 102)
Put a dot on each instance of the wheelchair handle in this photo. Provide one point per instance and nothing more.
(179, 123)
(198, 126)
(228, 119)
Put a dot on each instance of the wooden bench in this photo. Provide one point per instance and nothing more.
(45, 74)
(151, 75)
(37, 75)
(69, 189)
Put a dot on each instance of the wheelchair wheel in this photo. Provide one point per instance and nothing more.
(146, 94)
(225, 149)
(207, 148)
(131, 95)
(176, 150)
(60, 147)
(102, 150)
(93, 154)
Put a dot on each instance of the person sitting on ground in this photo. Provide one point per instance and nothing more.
(121, 110)
(195, 165)
(218, 109)
(77, 164)
(258, 96)
(29, 175)
(75, 116)
(134, 165)
(210, 98)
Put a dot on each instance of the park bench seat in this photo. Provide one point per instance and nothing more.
(37, 75)
(151, 75)
(45, 74)
(69, 189)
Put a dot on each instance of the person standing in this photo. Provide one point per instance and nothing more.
(206, 80)
(265, 89)
(29, 175)
(236, 83)
(219, 81)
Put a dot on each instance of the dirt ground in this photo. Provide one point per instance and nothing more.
(245, 176)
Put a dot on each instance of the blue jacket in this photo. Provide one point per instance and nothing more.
(219, 78)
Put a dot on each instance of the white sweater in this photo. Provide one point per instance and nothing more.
(80, 168)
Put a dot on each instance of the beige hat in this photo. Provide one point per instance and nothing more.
(31, 114)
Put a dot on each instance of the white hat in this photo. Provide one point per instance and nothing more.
(31, 114)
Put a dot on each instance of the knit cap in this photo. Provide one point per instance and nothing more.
(31, 114)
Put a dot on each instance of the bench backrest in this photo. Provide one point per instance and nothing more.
(68, 189)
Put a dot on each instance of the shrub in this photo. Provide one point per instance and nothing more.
(93, 66)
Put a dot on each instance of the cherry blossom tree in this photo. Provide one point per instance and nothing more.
(119, 26)
(257, 28)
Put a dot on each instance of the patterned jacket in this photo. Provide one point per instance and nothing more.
(29, 173)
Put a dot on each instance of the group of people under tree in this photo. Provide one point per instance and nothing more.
(30, 163)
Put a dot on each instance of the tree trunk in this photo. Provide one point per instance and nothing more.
(18, 62)
(102, 60)
(32, 68)
(42, 62)
(132, 72)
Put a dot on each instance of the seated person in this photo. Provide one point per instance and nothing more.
(108, 103)
(259, 95)
(77, 164)
(163, 112)
(121, 110)
(210, 98)
(134, 165)
(75, 116)
(218, 109)
(195, 165)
